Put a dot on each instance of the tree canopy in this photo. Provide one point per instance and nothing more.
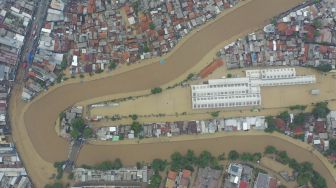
(109, 165)
(321, 110)
(325, 67)
(156, 90)
(270, 150)
(159, 165)
(233, 155)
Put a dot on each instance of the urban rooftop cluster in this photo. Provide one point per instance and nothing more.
(94, 35)
(170, 129)
(15, 19)
(271, 169)
(304, 36)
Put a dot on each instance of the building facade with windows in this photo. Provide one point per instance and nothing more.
(224, 93)
(243, 92)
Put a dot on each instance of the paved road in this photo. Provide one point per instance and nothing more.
(30, 44)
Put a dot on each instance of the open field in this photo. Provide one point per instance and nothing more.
(33, 123)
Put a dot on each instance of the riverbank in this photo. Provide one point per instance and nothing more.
(146, 150)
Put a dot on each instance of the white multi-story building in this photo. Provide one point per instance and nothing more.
(278, 77)
(223, 93)
(243, 92)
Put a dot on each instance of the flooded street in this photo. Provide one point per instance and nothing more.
(38, 117)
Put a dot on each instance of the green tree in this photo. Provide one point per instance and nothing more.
(62, 115)
(117, 163)
(229, 75)
(332, 146)
(156, 90)
(87, 133)
(283, 157)
(221, 157)
(215, 114)
(55, 185)
(246, 157)
(139, 165)
(303, 179)
(294, 165)
(299, 119)
(64, 64)
(159, 165)
(317, 23)
(233, 155)
(59, 164)
(321, 110)
(108, 165)
(270, 150)
(112, 65)
(270, 124)
(256, 157)
(318, 181)
(155, 181)
(324, 67)
(176, 161)
(145, 48)
(190, 76)
(191, 157)
(75, 134)
(298, 107)
(152, 26)
(78, 123)
(204, 159)
(136, 127)
(134, 117)
(284, 116)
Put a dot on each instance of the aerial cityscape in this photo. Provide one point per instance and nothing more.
(167, 93)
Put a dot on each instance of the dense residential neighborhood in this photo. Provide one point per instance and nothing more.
(304, 37)
(44, 43)
(15, 19)
(96, 35)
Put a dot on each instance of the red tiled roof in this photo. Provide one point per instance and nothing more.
(280, 124)
(290, 31)
(243, 184)
(172, 175)
(272, 183)
(298, 131)
(310, 31)
(282, 27)
(320, 127)
(186, 173)
(212, 67)
(323, 49)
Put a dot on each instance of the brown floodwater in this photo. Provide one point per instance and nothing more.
(132, 153)
(40, 117)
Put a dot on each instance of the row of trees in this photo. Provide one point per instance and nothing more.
(306, 173)
(106, 165)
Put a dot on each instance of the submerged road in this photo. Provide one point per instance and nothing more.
(38, 117)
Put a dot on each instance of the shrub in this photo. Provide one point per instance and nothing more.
(233, 155)
(156, 90)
